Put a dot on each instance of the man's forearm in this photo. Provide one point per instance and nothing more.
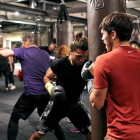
(6, 53)
(97, 98)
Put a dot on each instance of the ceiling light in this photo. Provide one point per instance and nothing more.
(54, 8)
(16, 13)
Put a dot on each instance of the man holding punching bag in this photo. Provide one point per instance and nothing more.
(116, 78)
(65, 97)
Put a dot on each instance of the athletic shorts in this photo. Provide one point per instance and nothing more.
(26, 104)
(54, 112)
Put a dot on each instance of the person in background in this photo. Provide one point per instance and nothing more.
(135, 44)
(62, 51)
(5, 69)
(11, 76)
(116, 79)
(50, 49)
(34, 63)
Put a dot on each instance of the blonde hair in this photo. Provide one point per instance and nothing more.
(62, 51)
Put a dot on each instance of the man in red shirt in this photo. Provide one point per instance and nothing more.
(117, 79)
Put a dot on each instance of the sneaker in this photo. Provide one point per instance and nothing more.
(68, 120)
(12, 87)
(6, 90)
(74, 130)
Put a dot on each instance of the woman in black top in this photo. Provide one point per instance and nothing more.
(5, 70)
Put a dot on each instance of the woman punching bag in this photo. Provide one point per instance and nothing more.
(64, 29)
(96, 11)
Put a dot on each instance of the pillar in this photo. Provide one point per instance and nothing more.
(96, 11)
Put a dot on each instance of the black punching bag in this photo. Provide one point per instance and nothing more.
(38, 38)
(136, 32)
(37, 35)
(96, 11)
(64, 28)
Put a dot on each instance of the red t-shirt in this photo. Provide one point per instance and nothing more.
(119, 71)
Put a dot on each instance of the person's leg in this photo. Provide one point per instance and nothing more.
(6, 81)
(11, 79)
(58, 131)
(75, 130)
(6, 75)
(80, 117)
(36, 136)
(22, 109)
(49, 121)
(13, 127)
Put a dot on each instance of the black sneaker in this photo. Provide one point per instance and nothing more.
(6, 90)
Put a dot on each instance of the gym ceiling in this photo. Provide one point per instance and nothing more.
(45, 12)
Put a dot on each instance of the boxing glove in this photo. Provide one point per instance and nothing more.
(85, 73)
(20, 75)
(57, 92)
(87, 76)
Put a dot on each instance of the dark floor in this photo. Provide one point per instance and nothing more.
(26, 128)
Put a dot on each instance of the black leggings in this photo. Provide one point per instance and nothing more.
(11, 76)
(13, 127)
(6, 80)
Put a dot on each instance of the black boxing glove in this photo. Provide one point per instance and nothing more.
(57, 92)
(85, 73)
(87, 76)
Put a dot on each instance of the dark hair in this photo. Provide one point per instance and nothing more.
(122, 23)
(79, 42)
(54, 41)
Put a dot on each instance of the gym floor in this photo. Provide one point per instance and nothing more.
(26, 128)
